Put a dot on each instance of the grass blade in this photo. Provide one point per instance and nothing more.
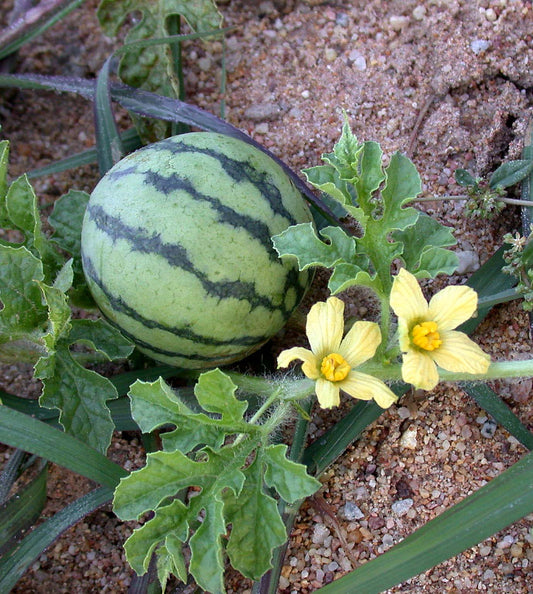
(504, 500)
(14, 563)
(35, 21)
(490, 402)
(326, 449)
(18, 430)
(130, 141)
(20, 511)
(109, 148)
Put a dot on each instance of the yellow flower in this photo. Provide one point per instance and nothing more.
(332, 360)
(427, 335)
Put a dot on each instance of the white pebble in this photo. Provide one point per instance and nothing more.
(320, 533)
(397, 23)
(479, 45)
(408, 439)
(352, 512)
(419, 12)
(401, 507)
(468, 261)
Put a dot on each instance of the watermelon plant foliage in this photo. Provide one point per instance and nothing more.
(36, 324)
(235, 480)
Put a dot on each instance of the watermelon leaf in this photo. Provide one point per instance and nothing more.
(152, 67)
(229, 490)
(302, 242)
(23, 213)
(257, 527)
(423, 252)
(80, 394)
(155, 404)
(19, 293)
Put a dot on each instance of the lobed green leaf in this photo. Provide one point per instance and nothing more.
(23, 310)
(257, 527)
(289, 478)
(302, 242)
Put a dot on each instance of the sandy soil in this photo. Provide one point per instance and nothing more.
(448, 82)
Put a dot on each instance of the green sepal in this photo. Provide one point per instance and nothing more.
(424, 242)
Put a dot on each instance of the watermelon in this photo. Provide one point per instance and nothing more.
(177, 250)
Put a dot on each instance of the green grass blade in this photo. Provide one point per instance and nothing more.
(18, 430)
(130, 141)
(65, 84)
(489, 282)
(36, 21)
(504, 500)
(14, 563)
(20, 511)
(109, 147)
(490, 402)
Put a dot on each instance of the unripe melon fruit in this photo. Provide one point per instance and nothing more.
(177, 250)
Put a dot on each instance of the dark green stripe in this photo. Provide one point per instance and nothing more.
(239, 171)
(120, 306)
(143, 241)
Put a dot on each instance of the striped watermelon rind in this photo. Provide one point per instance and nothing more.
(177, 250)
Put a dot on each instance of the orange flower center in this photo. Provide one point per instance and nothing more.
(334, 367)
(426, 336)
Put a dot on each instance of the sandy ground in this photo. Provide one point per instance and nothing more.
(448, 82)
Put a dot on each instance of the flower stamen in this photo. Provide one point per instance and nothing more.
(426, 336)
(334, 367)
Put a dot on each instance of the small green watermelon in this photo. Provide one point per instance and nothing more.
(177, 250)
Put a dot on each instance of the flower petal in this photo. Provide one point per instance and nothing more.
(406, 298)
(327, 393)
(360, 344)
(365, 387)
(452, 306)
(459, 353)
(310, 363)
(419, 370)
(325, 325)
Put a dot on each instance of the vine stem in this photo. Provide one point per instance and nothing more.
(497, 370)
(515, 201)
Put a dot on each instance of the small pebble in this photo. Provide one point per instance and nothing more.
(468, 262)
(479, 45)
(320, 533)
(419, 12)
(400, 508)
(263, 112)
(408, 439)
(397, 23)
(488, 575)
(330, 54)
(352, 512)
(489, 428)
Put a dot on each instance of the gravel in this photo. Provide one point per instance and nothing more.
(293, 66)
